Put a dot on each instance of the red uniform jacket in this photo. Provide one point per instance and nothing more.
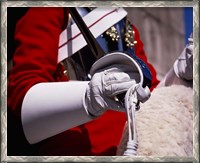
(35, 61)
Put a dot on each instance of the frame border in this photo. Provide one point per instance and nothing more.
(5, 4)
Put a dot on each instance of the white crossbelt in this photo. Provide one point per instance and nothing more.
(98, 21)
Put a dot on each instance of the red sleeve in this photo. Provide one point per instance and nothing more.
(139, 51)
(35, 58)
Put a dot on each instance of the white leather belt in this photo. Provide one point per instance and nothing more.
(98, 21)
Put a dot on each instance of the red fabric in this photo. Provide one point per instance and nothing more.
(35, 61)
(35, 58)
(139, 51)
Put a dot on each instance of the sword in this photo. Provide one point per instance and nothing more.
(98, 52)
(90, 39)
(88, 36)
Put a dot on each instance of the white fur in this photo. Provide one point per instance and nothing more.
(164, 123)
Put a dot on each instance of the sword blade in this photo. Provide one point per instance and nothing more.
(88, 36)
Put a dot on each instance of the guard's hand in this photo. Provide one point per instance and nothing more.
(183, 66)
(107, 84)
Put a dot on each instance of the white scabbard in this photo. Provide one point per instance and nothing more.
(51, 108)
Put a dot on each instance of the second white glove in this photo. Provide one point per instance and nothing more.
(106, 84)
(183, 66)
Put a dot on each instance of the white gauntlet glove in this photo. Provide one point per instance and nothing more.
(106, 84)
(183, 66)
(51, 108)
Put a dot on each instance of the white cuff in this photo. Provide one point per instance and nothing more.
(51, 108)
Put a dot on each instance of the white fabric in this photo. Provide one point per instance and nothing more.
(113, 74)
(51, 108)
(98, 21)
(181, 73)
(117, 58)
(107, 84)
(183, 66)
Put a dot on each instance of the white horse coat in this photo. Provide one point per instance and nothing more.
(164, 123)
